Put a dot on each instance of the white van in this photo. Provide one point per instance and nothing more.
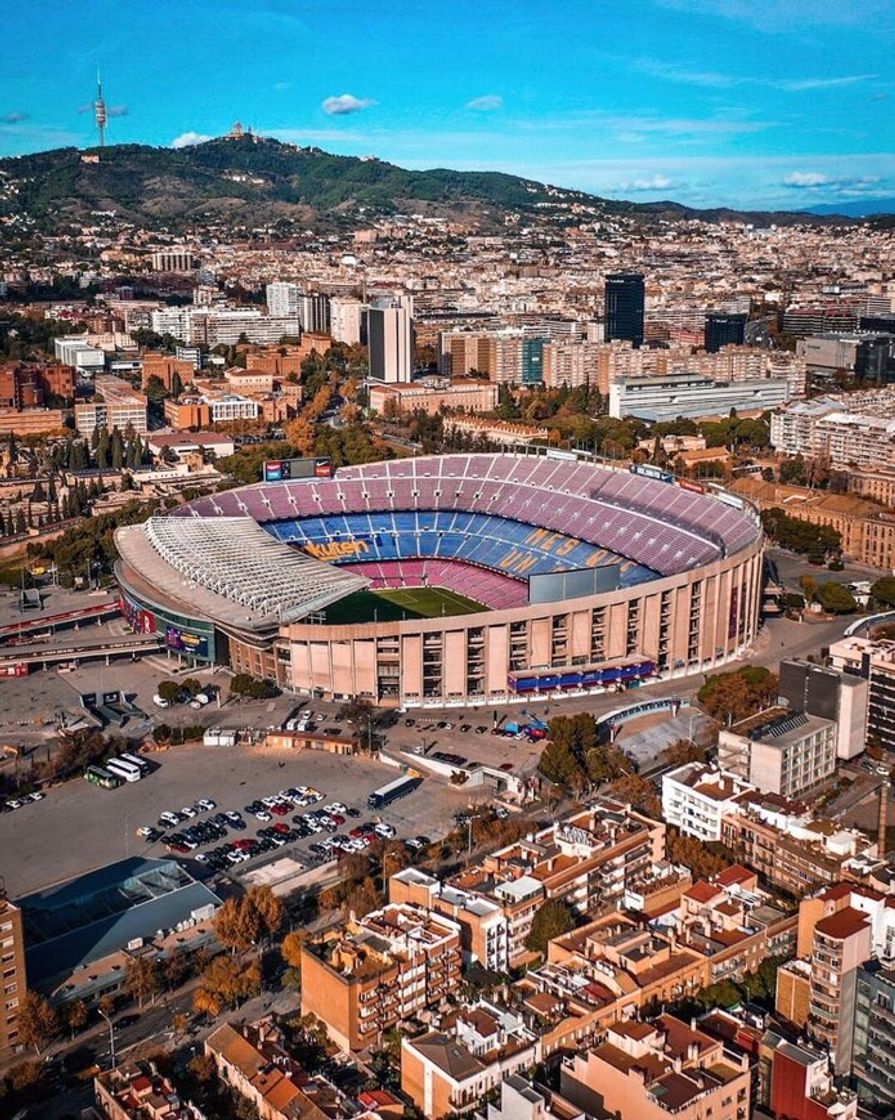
(159, 702)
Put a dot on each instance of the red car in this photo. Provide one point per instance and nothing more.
(357, 833)
(338, 818)
(244, 845)
(282, 828)
(280, 810)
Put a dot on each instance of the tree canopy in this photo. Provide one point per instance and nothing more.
(552, 919)
(732, 696)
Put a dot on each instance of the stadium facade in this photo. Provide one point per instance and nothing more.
(588, 577)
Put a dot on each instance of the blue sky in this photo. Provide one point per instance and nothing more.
(711, 102)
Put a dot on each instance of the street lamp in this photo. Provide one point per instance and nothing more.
(111, 1034)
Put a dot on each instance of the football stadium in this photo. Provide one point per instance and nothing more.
(452, 579)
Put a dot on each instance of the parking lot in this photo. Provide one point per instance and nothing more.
(79, 826)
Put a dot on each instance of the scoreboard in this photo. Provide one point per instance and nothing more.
(286, 470)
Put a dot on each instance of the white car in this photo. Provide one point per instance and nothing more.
(206, 804)
(232, 816)
(273, 799)
(161, 703)
(385, 831)
(188, 811)
(14, 803)
(263, 815)
(335, 807)
(169, 818)
(145, 830)
(37, 795)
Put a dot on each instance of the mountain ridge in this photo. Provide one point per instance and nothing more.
(253, 180)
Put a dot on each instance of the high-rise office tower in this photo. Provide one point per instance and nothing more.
(314, 313)
(624, 305)
(390, 340)
(283, 298)
(724, 330)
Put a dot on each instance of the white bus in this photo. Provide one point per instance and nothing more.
(122, 769)
(141, 763)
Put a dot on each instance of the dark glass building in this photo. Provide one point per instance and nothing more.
(724, 330)
(624, 304)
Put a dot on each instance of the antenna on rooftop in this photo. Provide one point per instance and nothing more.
(99, 110)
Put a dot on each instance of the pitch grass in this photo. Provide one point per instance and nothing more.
(394, 604)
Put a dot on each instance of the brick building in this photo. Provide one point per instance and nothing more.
(370, 974)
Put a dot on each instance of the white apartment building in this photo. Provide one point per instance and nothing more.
(695, 799)
(283, 298)
(178, 259)
(780, 751)
(345, 320)
(858, 433)
(223, 326)
(693, 395)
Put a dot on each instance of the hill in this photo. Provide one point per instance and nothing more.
(865, 208)
(257, 181)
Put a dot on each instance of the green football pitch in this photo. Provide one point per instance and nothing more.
(397, 603)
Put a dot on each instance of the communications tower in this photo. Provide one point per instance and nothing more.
(99, 111)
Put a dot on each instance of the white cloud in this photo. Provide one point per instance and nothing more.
(802, 180)
(281, 87)
(656, 182)
(672, 73)
(14, 117)
(487, 103)
(799, 85)
(117, 111)
(345, 103)
(188, 139)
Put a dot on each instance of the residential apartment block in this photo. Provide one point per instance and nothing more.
(12, 966)
(253, 1061)
(140, 1092)
(450, 1070)
(655, 1070)
(370, 974)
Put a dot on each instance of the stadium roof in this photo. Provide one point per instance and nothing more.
(231, 570)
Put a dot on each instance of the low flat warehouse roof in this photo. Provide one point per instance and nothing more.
(86, 918)
(232, 571)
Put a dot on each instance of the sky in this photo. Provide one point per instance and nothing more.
(783, 103)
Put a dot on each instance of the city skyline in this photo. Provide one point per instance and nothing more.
(704, 102)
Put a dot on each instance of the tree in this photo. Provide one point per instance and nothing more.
(242, 923)
(142, 979)
(552, 919)
(169, 691)
(695, 855)
(639, 793)
(226, 983)
(76, 1015)
(38, 1021)
(729, 697)
(884, 591)
(836, 598)
(191, 686)
(684, 751)
(290, 948)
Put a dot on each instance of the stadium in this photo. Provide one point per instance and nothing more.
(451, 579)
